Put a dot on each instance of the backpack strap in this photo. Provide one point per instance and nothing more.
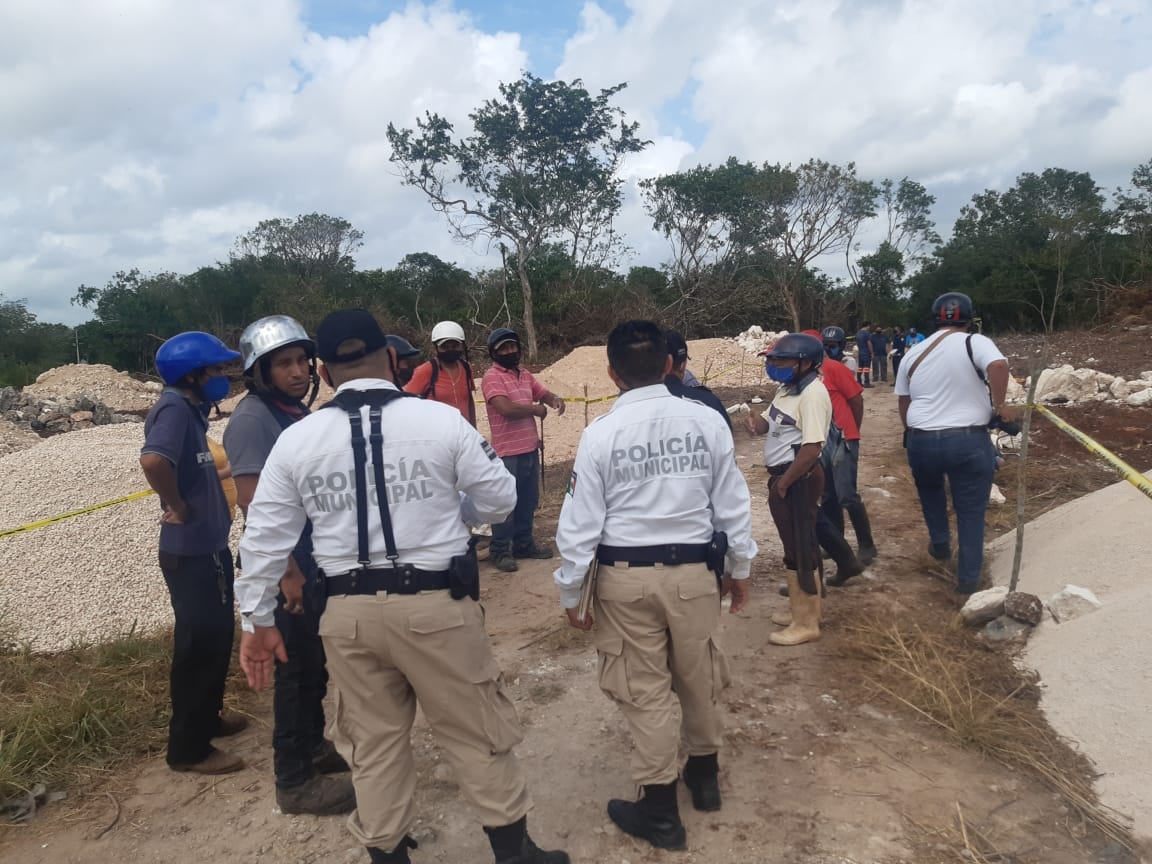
(916, 363)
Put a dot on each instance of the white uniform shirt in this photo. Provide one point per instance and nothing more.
(435, 465)
(945, 389)
(654, 470)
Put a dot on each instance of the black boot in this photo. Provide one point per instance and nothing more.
(399, 855)
(655, 817)
(858, 514)
(512, 845)
(702, 777)
(847, 564)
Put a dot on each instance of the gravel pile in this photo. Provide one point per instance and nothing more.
(100, 383)
(91, 577)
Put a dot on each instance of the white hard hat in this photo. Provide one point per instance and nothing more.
(268, 334)
(446, 331)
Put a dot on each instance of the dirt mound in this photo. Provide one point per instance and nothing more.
(716, 362)
(100, 383)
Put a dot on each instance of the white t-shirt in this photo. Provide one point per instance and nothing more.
(945, 389)
(795, 420)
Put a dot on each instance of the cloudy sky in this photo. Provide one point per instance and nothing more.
(151, 133)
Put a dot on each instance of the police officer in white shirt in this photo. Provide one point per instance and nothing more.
(949, 389)
(385, 480)
(654, 489)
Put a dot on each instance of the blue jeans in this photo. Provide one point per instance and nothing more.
(968, 460)
(516, 530)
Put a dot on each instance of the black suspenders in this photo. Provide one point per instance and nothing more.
(352, 401)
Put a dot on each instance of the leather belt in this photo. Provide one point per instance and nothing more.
(954, 430)
(669, 554)
(779, 470)
(404, 579)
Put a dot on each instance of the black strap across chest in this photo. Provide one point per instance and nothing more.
(351, 401)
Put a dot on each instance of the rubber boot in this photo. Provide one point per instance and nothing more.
(655, 817)
(847, 565)
(399, 855)
(805, 626)
(512, 845)
(702, 777)
(858, 514)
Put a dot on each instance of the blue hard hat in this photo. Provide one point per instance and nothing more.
(187, 352)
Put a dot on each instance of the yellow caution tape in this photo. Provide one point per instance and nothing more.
(1123, 468)
(32, 526)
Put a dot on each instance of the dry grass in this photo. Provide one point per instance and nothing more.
(982, 702)
(68, 717)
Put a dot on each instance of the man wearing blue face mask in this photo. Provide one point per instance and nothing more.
(194, 556)
(796, 425)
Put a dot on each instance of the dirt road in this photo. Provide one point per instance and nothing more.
(817, 769)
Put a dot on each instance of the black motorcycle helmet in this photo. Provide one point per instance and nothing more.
(499, 336)
(952, 310)
(404, 349)
(798, 346)
(833, 336)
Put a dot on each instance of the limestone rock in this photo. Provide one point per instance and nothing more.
(1146, 376)
(996, 496)
(984, 606)
(1140, 398)
(1016, 391)
(81, 416)
(1072, 602)
(1104, 381)
(1053, 382)
(1024, 607)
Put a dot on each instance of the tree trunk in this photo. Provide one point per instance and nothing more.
(526, 291)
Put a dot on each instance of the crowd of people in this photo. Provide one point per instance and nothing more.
(358, 581)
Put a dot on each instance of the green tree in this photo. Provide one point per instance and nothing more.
(541, 165)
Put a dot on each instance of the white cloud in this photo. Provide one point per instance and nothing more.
(151, 134)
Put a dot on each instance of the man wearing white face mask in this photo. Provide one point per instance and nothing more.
(194, 554)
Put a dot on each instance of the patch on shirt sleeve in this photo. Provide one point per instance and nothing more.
(488, 449)
(572, 485)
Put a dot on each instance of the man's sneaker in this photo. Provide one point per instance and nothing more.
(533, 551)
(216, 762)
(230, 724)
(320, 796)
(505, 562)
(327, 761)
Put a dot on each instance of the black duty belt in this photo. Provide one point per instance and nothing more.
(404, 579)
(648, 556)
(779, 470)
(954, 430)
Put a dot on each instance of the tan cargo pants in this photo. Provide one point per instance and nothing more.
(385, 654)
(656, 636)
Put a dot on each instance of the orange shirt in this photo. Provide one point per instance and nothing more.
(453, 387)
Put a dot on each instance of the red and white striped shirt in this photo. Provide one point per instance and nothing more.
(519, 436)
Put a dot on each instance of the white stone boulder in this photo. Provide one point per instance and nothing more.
(984, 606)
(1071, 602)
(1066, 384)
(996, 496)
(1140, 398)
(1104, 381)
(1146, 376)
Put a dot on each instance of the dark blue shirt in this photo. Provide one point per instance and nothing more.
(699, 394)
(176, 430)
(864, 342)
(879, 344)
